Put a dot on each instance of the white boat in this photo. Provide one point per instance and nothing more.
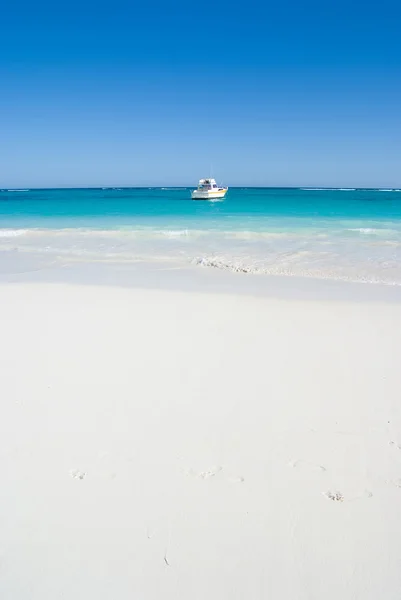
(208, 190)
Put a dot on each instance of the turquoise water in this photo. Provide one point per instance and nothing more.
(340, 234)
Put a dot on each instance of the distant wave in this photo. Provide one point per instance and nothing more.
(16, 190)
(328, 189)
(188, 235)
(374, 231)
(366, 230)
(150, 233)
(6, 233)
(173, 233)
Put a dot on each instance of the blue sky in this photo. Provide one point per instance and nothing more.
(123, 93)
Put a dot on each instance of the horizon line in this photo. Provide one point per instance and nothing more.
(171, 187)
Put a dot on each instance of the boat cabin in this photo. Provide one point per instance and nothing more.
(207, 184)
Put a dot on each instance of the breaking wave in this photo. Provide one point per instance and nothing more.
(10, 233)
(341, 251)
(236, 266)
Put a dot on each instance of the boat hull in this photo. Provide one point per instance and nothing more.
(209, 194)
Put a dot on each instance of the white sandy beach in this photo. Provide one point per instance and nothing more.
(176, 445)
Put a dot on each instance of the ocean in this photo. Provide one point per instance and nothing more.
(344, 234)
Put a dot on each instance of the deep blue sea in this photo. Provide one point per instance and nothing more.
(349, 234)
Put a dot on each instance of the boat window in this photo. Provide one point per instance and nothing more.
(215, 186)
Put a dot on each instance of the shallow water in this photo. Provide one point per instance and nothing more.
(336, 234)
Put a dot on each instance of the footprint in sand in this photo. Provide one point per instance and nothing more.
(210, 472)
(334, 496)
(304, 463)
(75, 474)
(236, 479)
(397, 446)
(213, 472)
(339, 497)
(396, 482)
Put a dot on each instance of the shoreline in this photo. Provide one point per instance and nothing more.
(25, 268)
